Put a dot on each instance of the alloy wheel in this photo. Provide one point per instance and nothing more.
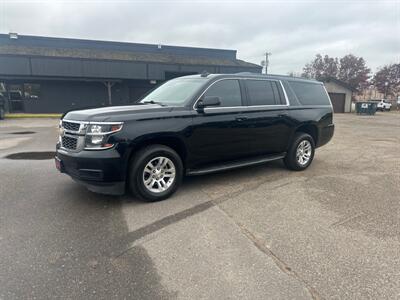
(303, 152)
(159, 174)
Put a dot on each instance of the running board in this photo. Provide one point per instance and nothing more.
(235, 164)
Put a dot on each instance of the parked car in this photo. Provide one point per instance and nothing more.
(384, 105)
(195, 125)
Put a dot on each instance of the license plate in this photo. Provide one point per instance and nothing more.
(58, 164)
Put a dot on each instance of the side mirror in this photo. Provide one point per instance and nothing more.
(209, 101)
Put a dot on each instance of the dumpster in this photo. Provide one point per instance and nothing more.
(2, 108)
(366, 107)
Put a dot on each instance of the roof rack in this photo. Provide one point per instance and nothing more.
(204, 74)
(247, 73)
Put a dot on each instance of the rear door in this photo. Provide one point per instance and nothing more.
(268, 127)
(218, 134)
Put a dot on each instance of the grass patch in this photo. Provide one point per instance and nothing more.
(20, 116)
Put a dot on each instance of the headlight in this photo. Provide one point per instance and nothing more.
(97, 135)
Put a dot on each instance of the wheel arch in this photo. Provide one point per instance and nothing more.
(310, 129)
(173, 142)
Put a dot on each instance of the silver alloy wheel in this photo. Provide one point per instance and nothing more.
(303, 152)
(159, 174)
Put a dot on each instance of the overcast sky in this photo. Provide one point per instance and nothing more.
(293, 31)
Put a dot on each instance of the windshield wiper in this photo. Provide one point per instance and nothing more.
(155, 102)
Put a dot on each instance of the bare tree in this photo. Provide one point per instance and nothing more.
(350, 69)
(354, 72)
(387, 79)
(321, 67)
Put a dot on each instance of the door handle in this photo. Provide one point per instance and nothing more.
(241, 118)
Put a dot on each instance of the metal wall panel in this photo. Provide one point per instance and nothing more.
(56, 67)
(14, 65)
(49, 42)
(198, 69)
(114, 69)
(127, 70)
(231, 70)
(157, 71)
(62, 96)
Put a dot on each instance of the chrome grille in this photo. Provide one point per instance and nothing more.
(71, 126)
(68, 142)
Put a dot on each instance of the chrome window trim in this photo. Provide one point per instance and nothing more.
(327, 94)
(309, 106)
(244, 106)
(284, 93)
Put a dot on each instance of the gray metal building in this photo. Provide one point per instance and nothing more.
(50, 75)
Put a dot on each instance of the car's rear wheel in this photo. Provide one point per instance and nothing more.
(156, 173)
(301, 152)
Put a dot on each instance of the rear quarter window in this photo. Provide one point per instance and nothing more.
(310, 93)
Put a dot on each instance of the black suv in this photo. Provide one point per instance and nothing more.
(195, 125)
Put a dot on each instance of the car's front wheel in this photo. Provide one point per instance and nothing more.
(301, 152)
(156, 173)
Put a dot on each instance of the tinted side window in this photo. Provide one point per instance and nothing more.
(310, 93)
(228, 90)
(290, 94)
(262, 92)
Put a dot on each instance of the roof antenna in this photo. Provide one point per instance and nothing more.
(204, 73)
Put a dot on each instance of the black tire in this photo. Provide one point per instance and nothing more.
(2, 113)
(138, 164)
(290, 159)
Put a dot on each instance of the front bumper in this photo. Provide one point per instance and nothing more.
(100, 171)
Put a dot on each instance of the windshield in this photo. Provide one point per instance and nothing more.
(174, 92)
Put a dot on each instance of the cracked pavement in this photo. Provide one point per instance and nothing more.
(330, 232)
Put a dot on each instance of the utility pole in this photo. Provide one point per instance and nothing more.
(267, 54)
(386, 88)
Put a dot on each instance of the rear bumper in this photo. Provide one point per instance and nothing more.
(325, 134)
(100, 171)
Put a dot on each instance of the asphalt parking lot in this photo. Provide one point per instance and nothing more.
(330, 232)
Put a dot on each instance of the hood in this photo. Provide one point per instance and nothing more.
(117, 113)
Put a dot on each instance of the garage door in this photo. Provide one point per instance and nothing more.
(338, 101)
